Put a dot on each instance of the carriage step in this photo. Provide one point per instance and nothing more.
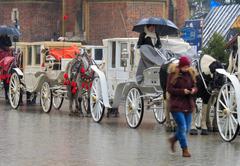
(150, 104)
(156, 107)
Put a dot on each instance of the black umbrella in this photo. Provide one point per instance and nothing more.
(10, 31)
(163, 26)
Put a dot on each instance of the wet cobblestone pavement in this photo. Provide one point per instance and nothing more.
(30, 137)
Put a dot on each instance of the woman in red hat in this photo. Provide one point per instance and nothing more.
(181, 86)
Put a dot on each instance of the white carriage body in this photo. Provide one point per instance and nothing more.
(228, 102)
(121, 60)
(34, 64)
(97, 52)
(238, 65)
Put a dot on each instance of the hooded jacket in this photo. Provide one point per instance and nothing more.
(176, 83)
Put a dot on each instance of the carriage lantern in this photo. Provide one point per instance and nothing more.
(124, 58)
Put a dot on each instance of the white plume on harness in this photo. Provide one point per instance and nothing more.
(152, 35)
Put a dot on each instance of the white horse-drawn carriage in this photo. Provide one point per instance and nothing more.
(40, 73)
(228, 101)
(117, 81)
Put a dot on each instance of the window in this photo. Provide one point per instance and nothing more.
(98, 54)
(29, 55)
(14, 15)
(124, 54)
(113, 54)
(132, 56)
(37, 55)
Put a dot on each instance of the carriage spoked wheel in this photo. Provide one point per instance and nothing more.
(46, 97)
(14, 91)
(96, 101)
(227, 113)
(57, 101)
(159, 112)
(134, 108)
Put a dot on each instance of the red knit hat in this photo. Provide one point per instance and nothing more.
(184, 61)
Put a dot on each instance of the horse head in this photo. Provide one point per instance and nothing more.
(208, 66)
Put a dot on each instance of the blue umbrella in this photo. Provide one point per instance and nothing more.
(163, 26)
(10, 31)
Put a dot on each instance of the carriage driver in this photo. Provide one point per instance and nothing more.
(151, 38)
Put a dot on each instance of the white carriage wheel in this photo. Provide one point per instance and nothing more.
(46, 97)
(159, 112)
(96, 101)
(198, 113)
(14, 91)
(227, 120)
(134, 108)
(57, 101)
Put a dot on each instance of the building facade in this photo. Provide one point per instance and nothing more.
(86, 20)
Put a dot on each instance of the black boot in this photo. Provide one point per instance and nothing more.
(193, 132)
(204, 132)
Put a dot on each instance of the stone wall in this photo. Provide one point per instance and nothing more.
(116, 19)
(41, 19)
(36, 19)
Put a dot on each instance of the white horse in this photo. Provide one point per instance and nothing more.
(78, 79)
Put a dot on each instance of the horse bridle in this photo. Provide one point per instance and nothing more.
(197, 62)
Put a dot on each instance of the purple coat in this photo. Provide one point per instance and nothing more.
(177, 82)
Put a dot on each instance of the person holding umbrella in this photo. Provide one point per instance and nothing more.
(150, 29)
(149, 36)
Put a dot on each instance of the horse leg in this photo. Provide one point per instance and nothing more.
(72, 113)
(193, 130)
(167, 115)
(88, 108)
(214, 120)
(112, 111)
(208, 120)
(204, 130)
(78, 101)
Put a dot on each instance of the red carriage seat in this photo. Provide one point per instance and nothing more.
(4, 53)
(6, 62)
(69, 52)
(6, 59)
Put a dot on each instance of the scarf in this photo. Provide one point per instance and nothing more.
(152, 35)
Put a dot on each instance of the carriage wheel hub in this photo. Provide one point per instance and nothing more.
(131, 107)
(226, 111)
(45, 95)
(94, 98)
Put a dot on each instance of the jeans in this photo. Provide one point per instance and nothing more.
(183, 121)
